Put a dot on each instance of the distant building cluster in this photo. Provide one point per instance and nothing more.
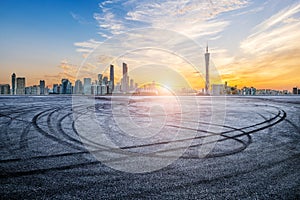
(148, 89)
(18, 87)
(102, 86)
(224, 89)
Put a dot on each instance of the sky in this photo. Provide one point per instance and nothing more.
(252, 43)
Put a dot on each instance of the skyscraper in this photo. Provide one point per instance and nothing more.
(42, 87)
(13, 84)
(131, 84)
(295, 90)
(55, 89)
(105, 80)
(207, 71)
(87, 86)
(100, 77)
(125, 80)
(20, 86)
(66, 86)
(78, 87)
(125, 69)
(105, 85)
(112, 78)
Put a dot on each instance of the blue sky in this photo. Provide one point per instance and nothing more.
(249, 39)
(36, 35)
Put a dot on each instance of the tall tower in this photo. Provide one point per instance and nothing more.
(125, 69)
(100, 77)
(87, 86)
(207, 71)
(20, 86)
(112, 77)
(125, 79)
(13, 84)
(42, 87)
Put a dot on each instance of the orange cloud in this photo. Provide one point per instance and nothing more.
(276, 70)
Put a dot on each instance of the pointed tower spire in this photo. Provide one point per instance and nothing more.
(207, 47)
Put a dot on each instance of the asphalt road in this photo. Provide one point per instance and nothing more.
(256, 154)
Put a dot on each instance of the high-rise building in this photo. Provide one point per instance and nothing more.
(28, 90)
(295, 90)
(35, 90)
(55, 89)
(78, 87)
(131, 84)
(100, 77)
(66, 86)
(42, 87)
(4, 89)
(125, 79)
(207, 54)
(105, 85)
(20, 86)
(13, 84)
(87, 86)
(125, 69)
(218, 89)
(112, 78)
(105, 80)
(117, 88)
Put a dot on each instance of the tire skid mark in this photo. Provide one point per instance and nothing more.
(254, 128)
(46, 134)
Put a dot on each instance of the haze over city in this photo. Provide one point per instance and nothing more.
(252, 43)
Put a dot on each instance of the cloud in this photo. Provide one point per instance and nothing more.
(280, 71)
(277, 34)
(193, 18)
(268, 53)
(185, 16)
(271, 56)
(86, 47)
(79, 18)
(252, 11)
(173, 26)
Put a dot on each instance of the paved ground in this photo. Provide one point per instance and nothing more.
(256, 155)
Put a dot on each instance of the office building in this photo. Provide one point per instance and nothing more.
(78, 87)
(66, 86)
(33, 90)
(295, 90)
(125, 79)
(100, 77)
(5, 89)
(56, 89)
(20, 90)
(42, 87)
(13, 84)
(87, 86)
(112, 78)
(105, 80)
(125, 69)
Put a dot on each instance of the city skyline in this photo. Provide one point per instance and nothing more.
(252, 43)
(126, 85)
